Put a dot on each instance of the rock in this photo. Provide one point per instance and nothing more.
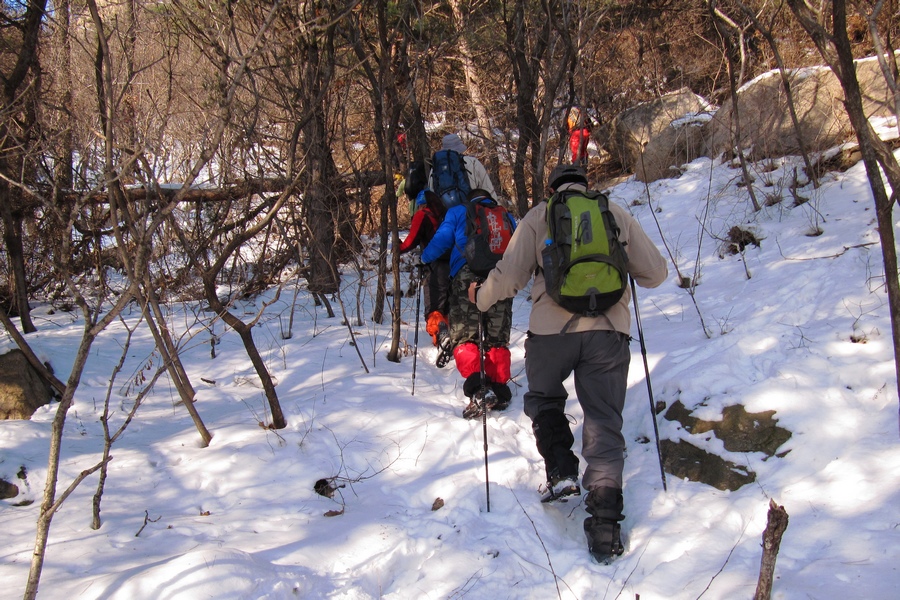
(22, 391)
(8, 490)
(739, 431)
(767, 129)
(687, 461)
(633, 129)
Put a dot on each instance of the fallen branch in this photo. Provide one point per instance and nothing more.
(839, 254)
(147, 519)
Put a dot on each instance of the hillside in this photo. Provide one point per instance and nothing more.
(797, 324)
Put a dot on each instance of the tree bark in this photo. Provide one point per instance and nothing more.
(771, 542)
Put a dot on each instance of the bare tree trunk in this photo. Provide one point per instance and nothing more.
(14, 76)
(835, 48)
(171, 359)
(135, 258)
(727, 28)
(94, 325)
(771, 541)
(788, 91)
(246, 334)
(376, 57)
(63, 164)
(525, 66)
(15, 253)
(539, 57)
(473, 85)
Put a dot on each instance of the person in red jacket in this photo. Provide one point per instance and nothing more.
(436, 279)
(579, 125)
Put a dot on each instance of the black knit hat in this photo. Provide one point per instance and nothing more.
(478, 194)
(563, 174)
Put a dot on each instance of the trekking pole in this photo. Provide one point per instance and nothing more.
(416, 334)
(637, 318)
(481, 343)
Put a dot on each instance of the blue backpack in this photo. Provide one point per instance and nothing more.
(449, 178)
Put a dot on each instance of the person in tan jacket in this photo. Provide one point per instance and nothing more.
(596, 349)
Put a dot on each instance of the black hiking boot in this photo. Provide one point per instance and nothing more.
(604, 539)
(484, 399)
(602, 529)
(554, 440)
(502, 395)
(445, 346)
(561, 490)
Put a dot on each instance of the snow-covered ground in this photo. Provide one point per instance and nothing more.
(807, 335)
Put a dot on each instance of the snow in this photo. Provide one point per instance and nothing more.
(240, 519)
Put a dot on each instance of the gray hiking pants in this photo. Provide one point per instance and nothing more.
(600, 362)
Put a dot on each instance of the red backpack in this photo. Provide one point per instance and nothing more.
(489, 229)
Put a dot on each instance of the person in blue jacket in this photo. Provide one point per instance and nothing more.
(464, 316)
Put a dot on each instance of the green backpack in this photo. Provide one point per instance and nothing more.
(584, 263)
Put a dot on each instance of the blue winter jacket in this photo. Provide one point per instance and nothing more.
(451, 235)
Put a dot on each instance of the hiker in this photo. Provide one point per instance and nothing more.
(559, 343)
(436, 276)
(579, 126)
(449, 173)
(477, 174)
(464, 316)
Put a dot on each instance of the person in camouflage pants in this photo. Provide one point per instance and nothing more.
(464, 320)
(464, 331)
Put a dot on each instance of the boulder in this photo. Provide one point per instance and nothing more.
(767, 129)
(22, 391)
(8, 490)
(634, 128)
(679, 143)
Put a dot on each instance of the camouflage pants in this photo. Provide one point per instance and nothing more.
(464, 315)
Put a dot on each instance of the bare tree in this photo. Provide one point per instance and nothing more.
(766, 31)
(732, 36)
(20, 79)
(540, 49)
(378, 53)
(834, 46)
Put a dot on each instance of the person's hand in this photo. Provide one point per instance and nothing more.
(473, 291)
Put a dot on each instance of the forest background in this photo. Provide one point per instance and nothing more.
(156, 152)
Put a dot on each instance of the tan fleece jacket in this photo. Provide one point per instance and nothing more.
(523, 257)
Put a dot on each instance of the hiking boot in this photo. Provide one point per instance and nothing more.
(554, 440)
(445, 345)
(561, 490)
(503, 396)
(474, 410)
(487, 398)
(482, 400)
(604, 539)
